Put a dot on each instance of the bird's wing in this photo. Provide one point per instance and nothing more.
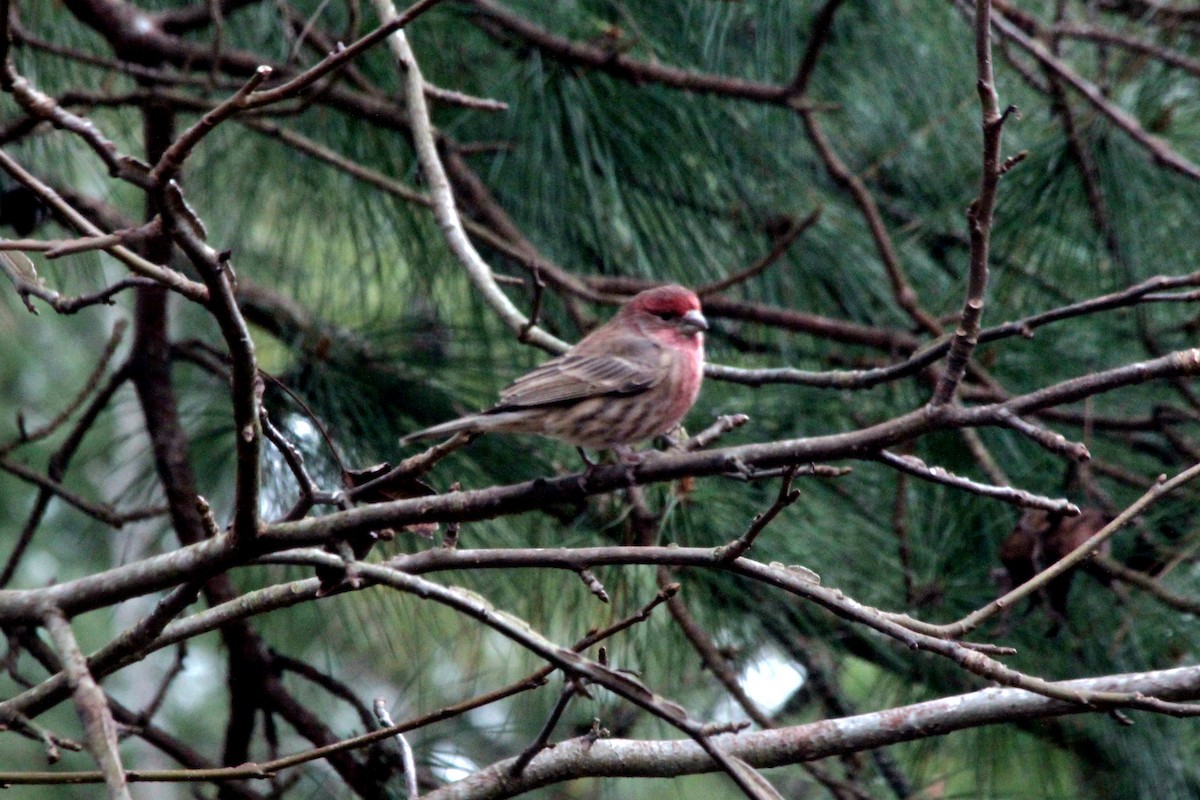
(577, 377)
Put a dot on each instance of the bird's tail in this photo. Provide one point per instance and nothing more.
(461, 425)
(511, 421)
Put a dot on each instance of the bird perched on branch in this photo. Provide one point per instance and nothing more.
(631, 379)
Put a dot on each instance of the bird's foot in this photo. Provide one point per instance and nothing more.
(737, 469)
(589, 469)
(627, 458)
(630, 460)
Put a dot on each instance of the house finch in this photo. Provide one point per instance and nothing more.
(629, 380)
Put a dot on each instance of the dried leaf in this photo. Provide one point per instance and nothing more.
(398, 488)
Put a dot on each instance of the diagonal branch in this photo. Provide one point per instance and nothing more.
(495, 19)
(843, 176)
(444, 210)
(1158, 148)
(90, 704)
(1080, 554)
(136, 263)
(911, 465)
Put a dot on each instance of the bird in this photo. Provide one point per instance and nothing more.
(630, 380)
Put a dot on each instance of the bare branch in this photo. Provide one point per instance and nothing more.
(439, 188)
(90, 704)
(90, 386)
(1159, 150)
(724, 424)
(914, 466)
(1096, 33)
(979, 215)
(787, 496)
(1151, 585)
(582, 757)
(160, 274)
(1054, 442)
(782, 243)
(1079, 554)
(496, 19)
(406, 753)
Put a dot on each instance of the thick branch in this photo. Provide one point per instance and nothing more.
(204, 558)
(659, 759)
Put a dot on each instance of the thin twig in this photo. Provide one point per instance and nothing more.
(415, 466)
(21, 272)
(90, 386)
(335, 687)
(1151, 585)
(160, 695)
(172, 159)
(1054, 442)
(782, 243)
(407, 761)
(709, 653)
(99, 511)
(979, 214)
(539, 743)
(131, 237)
(1018, 497)
(463, 100)
(90, 705)
(900, 529)
(1097, 33)
(724, 424)
(983, 457)
(19, 723)
(787, 495)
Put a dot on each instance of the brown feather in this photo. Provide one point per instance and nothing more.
(577, 377)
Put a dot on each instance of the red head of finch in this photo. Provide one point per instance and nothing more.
(631, 379)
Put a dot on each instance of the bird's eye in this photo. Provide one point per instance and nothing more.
(665, 315)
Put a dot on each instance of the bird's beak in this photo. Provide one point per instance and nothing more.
(694, 321)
